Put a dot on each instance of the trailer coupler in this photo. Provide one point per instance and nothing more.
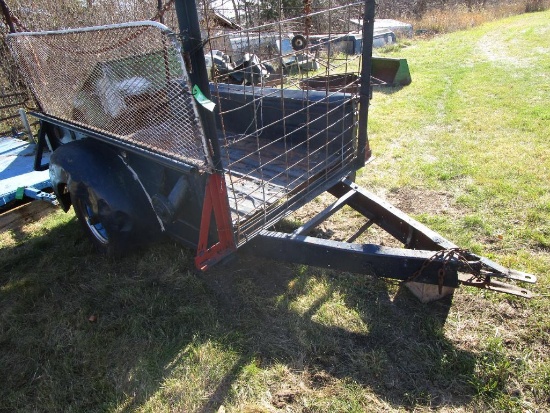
(427, 258)
(36, 194)
(479, 272)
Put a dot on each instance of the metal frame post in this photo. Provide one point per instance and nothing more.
(216, 203)
(363, 150)
(190, 32)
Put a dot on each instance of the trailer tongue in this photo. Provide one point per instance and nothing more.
(427, 257)
(145, 145)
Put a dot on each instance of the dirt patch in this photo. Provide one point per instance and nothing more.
(344, 224)
(320, 379)
(284, 397)
(422, 201)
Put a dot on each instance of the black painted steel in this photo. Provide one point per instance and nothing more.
(193, 51)
(38, 166)
(427, 257)
(369, 259)
(410, 232)
(364, 151)
(164, 161)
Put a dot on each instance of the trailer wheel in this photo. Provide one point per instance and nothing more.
(298, 42)
(105, 228)
(110, 204)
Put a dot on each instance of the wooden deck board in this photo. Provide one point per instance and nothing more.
(17, 217)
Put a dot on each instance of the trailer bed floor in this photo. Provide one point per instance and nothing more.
(261, 172)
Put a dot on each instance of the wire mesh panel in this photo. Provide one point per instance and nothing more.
(127, 81)
(287, 102)
(13, 93)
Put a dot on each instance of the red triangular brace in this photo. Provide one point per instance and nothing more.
(215, 200)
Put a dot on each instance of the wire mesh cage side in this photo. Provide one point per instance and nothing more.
(127, 81)
(287, 104)
(285, 78)
(14, 94)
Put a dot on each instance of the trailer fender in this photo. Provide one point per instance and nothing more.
(106, 194)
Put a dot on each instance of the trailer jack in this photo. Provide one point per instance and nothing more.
(429, 265)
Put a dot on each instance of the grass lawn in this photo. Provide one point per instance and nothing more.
(463, 149)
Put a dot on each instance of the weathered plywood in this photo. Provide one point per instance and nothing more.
(24, 214)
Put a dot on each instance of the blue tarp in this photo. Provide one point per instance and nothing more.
(16, 168)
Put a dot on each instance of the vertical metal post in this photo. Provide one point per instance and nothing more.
(7, 16)
(159, 9)
(364, 151)
(42, 142)
(189, 27)
(216, 202)
(26, 125)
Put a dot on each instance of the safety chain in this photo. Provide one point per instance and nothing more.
(446, 256)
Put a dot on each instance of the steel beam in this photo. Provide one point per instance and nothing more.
(410, 232)
(396, 263)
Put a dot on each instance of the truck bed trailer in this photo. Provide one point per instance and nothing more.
(147, 143)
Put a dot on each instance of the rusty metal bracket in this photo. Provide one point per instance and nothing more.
(494, 285)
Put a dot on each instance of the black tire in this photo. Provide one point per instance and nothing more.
(298, 42)
(109, 231)
(110, 204)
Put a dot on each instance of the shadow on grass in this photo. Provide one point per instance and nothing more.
(82, 332)
(387, 89)
(404, 356)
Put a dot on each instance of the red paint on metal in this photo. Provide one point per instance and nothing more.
(215, 201)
